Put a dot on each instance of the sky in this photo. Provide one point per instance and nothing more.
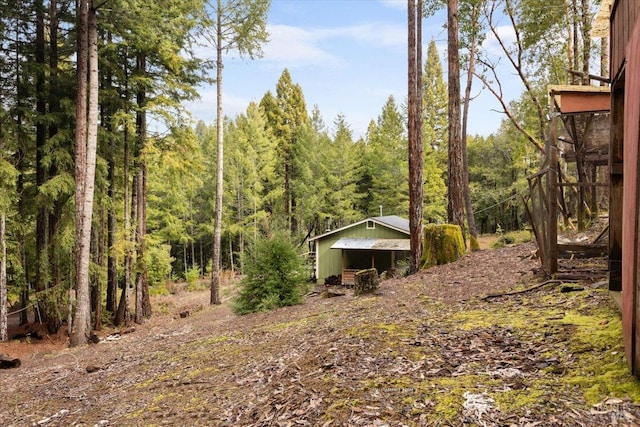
(348, 56)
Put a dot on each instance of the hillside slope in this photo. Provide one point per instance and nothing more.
(428, 350)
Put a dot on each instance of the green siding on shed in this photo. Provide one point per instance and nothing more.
(329, 261)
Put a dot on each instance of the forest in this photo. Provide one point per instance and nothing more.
(78, 77)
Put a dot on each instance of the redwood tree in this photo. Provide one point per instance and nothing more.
(415, 132)
(455, 211)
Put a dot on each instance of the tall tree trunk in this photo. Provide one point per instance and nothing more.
(96, 288)
(474, 245)
(142, 281)
(586, 41)
(54, 315)
(123, 314)
(142, 303)
(3, 278)
(79, 329)
(22, 204)
(455, 209)
(576, 47)
(42, 216)
(217, 231)
(85, 167)
(112, 261)
(416, 196)
(3, 263)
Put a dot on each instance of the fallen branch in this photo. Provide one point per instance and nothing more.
(523, 291)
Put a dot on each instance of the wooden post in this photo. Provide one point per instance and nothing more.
(616, 179)
(552, 191)
(342, 266)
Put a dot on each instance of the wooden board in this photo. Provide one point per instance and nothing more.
(584, 102)
(631, 203)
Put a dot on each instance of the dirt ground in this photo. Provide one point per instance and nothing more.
(429, 349)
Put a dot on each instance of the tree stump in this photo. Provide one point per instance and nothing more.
(366, 282)
(442, 244)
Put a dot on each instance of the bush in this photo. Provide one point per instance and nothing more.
(158, 263)
(192, 276)
(274, 277)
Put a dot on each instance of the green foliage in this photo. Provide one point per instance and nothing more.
(158, 263)
(243, 25)
(274, 277)
(287, 119)
(8, 177)
(498, 166)
(192, 275)
(386, 163)
(250, 177)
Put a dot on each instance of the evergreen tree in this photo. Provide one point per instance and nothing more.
(249, 176)
(274, 276)
(341, 169)
(176, 167)
(287, 117)
(388, 163)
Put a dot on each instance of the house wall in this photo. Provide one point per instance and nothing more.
(329, 261)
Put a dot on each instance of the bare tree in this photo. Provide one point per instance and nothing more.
(515, 56)
(416, 196)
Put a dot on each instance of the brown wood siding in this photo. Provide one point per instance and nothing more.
(581, 102)
(623, 15)
(631, 203)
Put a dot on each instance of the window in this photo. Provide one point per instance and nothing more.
(371, 225)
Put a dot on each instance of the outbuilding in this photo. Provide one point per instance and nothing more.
(378, 242)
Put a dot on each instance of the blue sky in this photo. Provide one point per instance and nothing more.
(348, 56)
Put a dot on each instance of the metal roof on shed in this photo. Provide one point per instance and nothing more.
(372, 244)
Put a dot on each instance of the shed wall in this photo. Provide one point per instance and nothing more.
(631, 203)
(623, 16)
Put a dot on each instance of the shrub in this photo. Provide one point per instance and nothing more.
(192, 275)
(158, 263)
(274, 277)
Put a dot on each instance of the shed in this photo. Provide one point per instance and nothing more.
(377, 242)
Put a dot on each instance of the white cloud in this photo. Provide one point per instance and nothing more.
(376, 34)
(294, 46)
